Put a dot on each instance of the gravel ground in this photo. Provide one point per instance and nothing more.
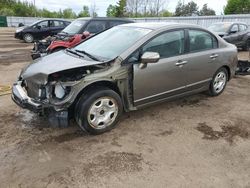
(196, 141)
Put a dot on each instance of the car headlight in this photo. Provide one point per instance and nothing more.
(59, 91)
(19, 30)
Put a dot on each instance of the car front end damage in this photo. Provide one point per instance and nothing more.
(55, 93)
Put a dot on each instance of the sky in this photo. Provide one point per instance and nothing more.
(102, 5)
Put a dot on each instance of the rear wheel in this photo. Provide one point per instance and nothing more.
(219, 82)
(28, 38)
(98, 110)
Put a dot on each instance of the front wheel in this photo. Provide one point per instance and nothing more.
(98, 110)
(218, 82)
(28, 38)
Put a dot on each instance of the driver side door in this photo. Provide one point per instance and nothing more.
(41, 30)
(165, 78)
(233, 34)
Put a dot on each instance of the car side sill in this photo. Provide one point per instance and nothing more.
(173, 92)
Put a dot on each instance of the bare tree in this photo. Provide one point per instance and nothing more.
(134, 7)
(145, 7)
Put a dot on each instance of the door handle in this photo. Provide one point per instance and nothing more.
(181, 63)
(214, 56)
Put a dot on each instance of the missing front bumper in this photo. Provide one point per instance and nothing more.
(20, 97)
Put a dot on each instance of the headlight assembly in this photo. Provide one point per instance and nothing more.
(59, 91)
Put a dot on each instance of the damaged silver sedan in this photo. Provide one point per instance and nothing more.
(123, 69)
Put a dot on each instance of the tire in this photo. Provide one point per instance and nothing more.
(219, 82)
(98, 110)
(28, 38)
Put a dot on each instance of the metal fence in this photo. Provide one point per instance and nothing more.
(204, 21)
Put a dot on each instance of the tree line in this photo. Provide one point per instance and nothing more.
(28, 9)
(123, 8)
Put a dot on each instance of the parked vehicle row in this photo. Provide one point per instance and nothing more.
(236, 33)
(74, 33)
(99, 78)
(40, 30)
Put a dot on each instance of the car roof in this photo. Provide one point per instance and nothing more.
(106, 19)
(158, 25)
(54, 19)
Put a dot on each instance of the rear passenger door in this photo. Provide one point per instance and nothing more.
(96, 26)
(202, 58)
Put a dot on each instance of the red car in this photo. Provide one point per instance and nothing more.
(82, 28)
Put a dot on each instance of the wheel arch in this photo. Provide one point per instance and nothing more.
(228, 71)
(102, 83)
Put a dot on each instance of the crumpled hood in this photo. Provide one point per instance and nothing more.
(39, 69)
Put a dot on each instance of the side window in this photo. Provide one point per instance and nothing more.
(57, 24)
(235, 28)
(167, 45)
(201, 40)
(96, 26)
(43, 24)
(242, 27)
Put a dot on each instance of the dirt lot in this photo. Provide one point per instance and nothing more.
(193, 142)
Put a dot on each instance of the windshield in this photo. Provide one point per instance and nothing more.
(75, 27)
(220, 27)
(111, 43)
(34, 23)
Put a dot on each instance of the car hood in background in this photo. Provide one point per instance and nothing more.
(39, 69)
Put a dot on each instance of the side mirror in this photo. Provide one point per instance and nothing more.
(38, 27)
(150, 57)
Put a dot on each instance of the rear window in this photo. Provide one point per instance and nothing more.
(242, 27)
(201, 40)
(96, 26)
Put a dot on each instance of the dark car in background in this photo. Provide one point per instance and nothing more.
(74, 33)
(236, 33)
(40, 29)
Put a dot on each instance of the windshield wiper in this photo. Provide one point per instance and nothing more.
(73, 52)
(89, 55)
